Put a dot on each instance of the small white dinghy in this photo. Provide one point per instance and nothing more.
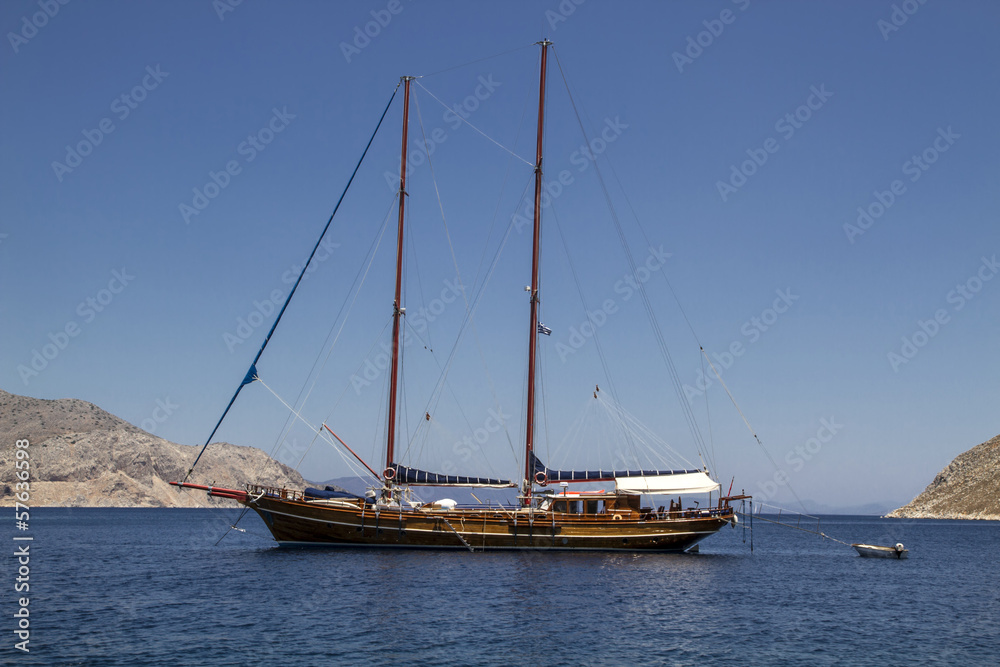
(873, 551)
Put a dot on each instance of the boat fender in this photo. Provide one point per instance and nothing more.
(541, 478)
(616, 517)
(735, 520)
(389, 473)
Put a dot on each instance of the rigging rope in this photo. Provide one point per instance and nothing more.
(314, 373)
(375, 342)
(661, 342)
(597, 340)
(477, 297)
(465, 299)
(251, 372)
(708, 419)
(757, 517)
(747, 422)
(352, 464)
(644, 434)
(473, 62)
(476, 128)
(359, 281)
(687, 320)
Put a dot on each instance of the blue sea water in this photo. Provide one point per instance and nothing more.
(150, 587)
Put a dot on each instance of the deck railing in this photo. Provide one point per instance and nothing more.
(274, 492)
(691, 513)
(280, 493)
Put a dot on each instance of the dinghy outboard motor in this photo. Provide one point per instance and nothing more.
(900, 547)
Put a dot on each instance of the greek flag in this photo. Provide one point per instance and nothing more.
(542, 329)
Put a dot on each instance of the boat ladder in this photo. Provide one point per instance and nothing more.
(458, 534)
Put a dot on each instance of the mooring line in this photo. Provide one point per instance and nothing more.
(788, 525)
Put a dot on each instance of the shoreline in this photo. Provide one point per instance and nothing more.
(923, 514)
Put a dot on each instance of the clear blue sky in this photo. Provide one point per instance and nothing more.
(833, 100)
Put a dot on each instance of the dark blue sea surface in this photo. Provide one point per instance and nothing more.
(151, 587)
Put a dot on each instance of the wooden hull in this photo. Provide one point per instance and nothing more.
(296, 522)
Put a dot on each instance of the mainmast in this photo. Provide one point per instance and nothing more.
(529, 431)
(397, 310)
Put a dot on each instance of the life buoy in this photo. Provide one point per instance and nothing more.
(541, 478)
(389, 473)
(616, 517)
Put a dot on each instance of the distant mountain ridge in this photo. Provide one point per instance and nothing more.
(868, 509)
(968, 488)
(83, 456)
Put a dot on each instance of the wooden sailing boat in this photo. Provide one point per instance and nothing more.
(542, 519)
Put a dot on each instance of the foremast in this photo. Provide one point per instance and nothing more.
(529, 428)
(397, 309)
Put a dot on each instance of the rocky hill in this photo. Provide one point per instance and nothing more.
(969, 488)
(82, 456)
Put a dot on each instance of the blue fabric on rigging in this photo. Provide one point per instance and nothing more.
(594, 475)
(406, 475)
(250, 376)
(252, 373)
(320, 493)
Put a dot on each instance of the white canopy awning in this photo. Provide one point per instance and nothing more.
(690, 482)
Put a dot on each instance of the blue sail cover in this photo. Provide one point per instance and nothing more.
(330, 492)
(594, 475)
(405, 475)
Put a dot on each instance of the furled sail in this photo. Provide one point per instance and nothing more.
(331, 493)
(403, 475)
(688, 482)
(635, 481)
